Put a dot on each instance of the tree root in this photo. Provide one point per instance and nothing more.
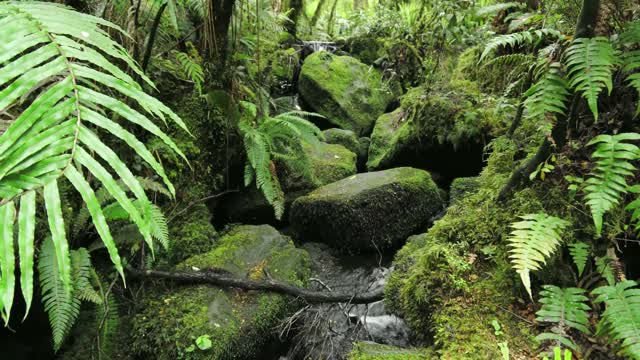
(226, 280)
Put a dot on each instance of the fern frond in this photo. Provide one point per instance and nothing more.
(591, 62)
(7, 260)
(548, 95)
(520, 38)
(631, 64)
(192, 69)
(61, 306)
(532, 241)
(159, 227)
(580, 254)
(566, 309)
(621, 319)
(607, 182)
(53, 60)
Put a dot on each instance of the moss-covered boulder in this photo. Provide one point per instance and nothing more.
(348, 93)
(238, 324)
(443, 131)
(322, 164)
(366, 48)
(367, 211)
(283, 65)
(365, 350)
(348, 139)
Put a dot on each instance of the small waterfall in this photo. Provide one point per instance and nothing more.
(321, 46)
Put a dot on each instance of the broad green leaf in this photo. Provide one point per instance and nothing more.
(26, 224)
(58, 235)
(7, 260)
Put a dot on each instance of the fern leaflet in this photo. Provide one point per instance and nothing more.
(532, 241)
(548, 95)
(580, 254)
(519, 38)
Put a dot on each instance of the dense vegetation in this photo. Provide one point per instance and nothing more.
(320, 179)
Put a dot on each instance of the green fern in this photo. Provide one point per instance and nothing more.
(621, 319)
(580, 254)
(630, 39)
(566, 309)
(192, 69)
(607, 182)
(520, 38)
(532, 241)
(548, 95)
(591, 62)
(52, 58)
(269, 138)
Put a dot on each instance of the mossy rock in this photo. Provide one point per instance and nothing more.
(369, 211)
(431, 126)
(192, 233)
(365, 350)
(283, 65)
(461, 187)
(348, 139)
(350, 94)
(239, 324)
(366, 48)
(325, 163)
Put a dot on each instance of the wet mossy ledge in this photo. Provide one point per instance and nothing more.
(372, 351)
(369, 211)
(239, 324)
(350, 94)
(452, 283)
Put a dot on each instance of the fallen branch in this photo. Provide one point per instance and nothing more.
(225, 280)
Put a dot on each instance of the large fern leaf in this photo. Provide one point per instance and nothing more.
(55, 65)
(533, 240)
(607, 182)
(621, 319)
(566, 309)
(591, 62)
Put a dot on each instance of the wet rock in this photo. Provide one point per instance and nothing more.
(367, 212)
(350, 94)
(239, 324)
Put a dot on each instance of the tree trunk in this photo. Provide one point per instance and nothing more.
(295, 7)
(317, 13)
(152, 37)
(216, 30)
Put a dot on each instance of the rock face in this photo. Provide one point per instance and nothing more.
(367, 211)
(348, 93)
(391, 135)
(239, 324)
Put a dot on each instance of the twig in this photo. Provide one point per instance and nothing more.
(194, 202)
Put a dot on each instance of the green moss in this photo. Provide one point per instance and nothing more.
(366, 48)
(283, 65)
(453, 116)
(348, 93)
(372, 351)
(461, 187)
(450, 283)
(238, 323)
(367, 211)
(348, 139)
(191, 234)
(324, 163)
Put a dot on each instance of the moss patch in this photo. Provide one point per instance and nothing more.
(372, 351)
(462, 187)
(191, 234)
(238, 323)
(350, 94)
(367, 211)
